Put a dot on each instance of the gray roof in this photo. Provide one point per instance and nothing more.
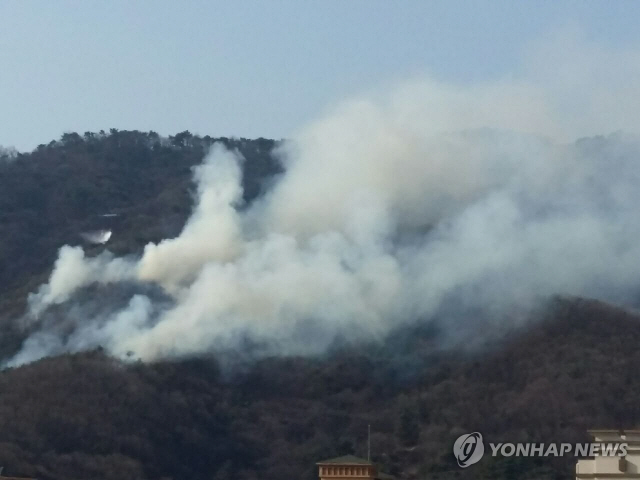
(345, 460)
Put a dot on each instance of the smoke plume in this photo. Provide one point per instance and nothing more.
(431, 201)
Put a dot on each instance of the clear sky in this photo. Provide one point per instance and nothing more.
(255, 68)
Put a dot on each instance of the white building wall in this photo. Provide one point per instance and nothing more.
(611, 467)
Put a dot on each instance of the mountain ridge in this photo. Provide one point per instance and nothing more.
(548, 378)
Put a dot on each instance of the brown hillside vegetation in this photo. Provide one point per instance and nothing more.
(48, 197)
(89, 416)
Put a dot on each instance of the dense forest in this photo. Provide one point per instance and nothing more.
(50, 196)
(89, 416)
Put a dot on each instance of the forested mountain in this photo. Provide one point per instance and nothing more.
(50, 196)
(88, 416)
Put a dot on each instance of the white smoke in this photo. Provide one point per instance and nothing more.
(72, 271)
(211, 234)
(394, 207)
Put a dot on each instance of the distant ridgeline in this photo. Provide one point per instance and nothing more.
(137, 184)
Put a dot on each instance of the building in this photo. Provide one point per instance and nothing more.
(350, 467)
(612, 467)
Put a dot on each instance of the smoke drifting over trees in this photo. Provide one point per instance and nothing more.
(428, 216)
(432, 201)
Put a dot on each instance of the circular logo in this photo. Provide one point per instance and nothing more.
(468, 449)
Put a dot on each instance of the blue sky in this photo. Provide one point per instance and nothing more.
(257, 68)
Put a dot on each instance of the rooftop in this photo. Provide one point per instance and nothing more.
(345, 460)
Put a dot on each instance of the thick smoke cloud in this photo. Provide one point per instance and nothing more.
(429, 201)
(212, 234)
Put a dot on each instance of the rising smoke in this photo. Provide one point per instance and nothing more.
(426, 202)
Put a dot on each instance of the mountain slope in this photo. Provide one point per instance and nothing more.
(50, 196)
(89, 416)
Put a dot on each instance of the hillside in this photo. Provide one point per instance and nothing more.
(87, 415)
(50, 196)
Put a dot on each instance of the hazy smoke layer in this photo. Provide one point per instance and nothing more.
(425, 201)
